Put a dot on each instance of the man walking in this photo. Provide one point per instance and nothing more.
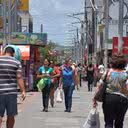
(10, 75)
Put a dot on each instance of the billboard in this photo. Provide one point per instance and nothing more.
(26, 38)
(19, 38)
(24, 5)
(37, 38)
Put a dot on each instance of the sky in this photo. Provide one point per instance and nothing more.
(53, 15)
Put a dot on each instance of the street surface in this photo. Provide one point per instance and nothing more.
(30, 115)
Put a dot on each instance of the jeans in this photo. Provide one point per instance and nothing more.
(68, 91)
(45, 96)
(114, 108)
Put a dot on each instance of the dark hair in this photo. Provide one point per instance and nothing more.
(118, 61)
(10, 51)
(90, 65)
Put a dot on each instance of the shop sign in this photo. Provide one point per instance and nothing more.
(19, 38)
(25, 51)
(38, 38)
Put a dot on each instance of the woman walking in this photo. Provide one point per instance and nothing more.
(45, 73)
(54, 81)
(67, 80)
(90, 76)
(115, 103)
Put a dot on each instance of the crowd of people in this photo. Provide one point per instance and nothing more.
(67, 76)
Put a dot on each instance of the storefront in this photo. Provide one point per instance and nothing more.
(29, 44)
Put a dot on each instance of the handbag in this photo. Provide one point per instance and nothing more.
(93, 120)
(99, 96)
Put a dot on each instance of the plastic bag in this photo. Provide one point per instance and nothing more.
(41, 84)
(59, 95)
(92, 120)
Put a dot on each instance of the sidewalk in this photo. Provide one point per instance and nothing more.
(30, 115)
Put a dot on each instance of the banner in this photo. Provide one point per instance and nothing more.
(125, 46)
(115, 45)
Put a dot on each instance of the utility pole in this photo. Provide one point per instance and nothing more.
(9, 20)
(85, 43)
(4, 25)
(78, 46)
(41, 28)
(120, 29)
(93, 27)
(106, 11)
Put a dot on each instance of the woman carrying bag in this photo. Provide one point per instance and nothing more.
(67, 79)
(45, 73)
(115, 102)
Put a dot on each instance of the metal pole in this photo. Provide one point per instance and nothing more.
(86, 30)
(95, 43)
(78, 57)
(120, 29)
(9, 20)
(41, 28)
(93, 28)
(4, 25)
(106, 32)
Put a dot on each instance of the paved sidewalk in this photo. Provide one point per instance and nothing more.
(30, 115)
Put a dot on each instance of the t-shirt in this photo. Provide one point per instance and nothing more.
(48, 71)
(9, 67)
(67, 75)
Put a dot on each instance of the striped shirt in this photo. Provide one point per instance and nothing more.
(9, 67)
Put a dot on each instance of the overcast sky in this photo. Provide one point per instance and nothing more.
(53, 15)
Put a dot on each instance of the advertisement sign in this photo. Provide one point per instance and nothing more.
(19, 38)
(115, 45)
(25, 51)
(26, 38)
(38, 38)
(24, 5)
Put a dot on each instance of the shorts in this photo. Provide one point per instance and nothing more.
(8, 103)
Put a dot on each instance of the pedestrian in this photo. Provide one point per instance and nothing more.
(67, 80)
(45, 72)
(10, 75)
(101, 70)
(54, 81)
(90, 76)
(115, 103)
(79, 69)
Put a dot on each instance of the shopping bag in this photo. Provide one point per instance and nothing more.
(41, 84)
(92, 119)
(59, 95)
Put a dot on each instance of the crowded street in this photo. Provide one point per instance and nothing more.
(30, 115)
(63, 63)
